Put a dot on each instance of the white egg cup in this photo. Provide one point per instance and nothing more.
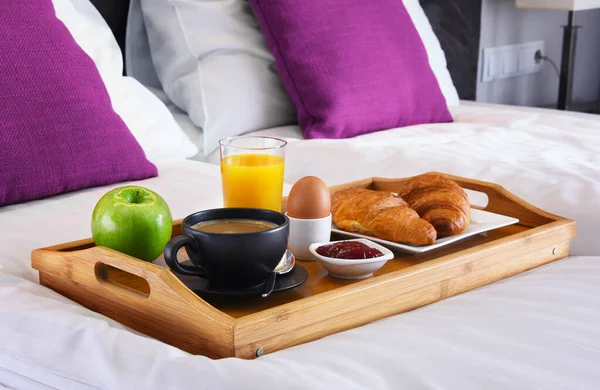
(304, 232)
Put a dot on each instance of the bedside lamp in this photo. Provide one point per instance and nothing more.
(565, 91)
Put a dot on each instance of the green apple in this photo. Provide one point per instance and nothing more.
(132, 220)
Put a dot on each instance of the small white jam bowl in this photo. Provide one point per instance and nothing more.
(352, 269)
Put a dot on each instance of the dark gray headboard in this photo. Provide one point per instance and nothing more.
(457, 24)
(115, 13)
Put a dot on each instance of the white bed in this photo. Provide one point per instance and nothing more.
(536, 330)
(549, 158)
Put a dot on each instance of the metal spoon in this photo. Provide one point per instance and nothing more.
(285, 265)
(270, 285)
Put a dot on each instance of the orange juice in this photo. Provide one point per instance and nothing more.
(252, 180)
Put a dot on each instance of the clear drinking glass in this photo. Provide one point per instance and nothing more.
(252, 171)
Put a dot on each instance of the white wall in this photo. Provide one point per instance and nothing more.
(504, 24)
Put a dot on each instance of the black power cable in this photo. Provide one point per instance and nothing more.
(539, 57)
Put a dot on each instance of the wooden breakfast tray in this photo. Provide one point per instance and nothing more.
(152, 300)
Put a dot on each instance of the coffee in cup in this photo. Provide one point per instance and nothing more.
(234, 226)
(231, 247)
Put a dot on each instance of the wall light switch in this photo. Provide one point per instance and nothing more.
(492, 65)
(510, 61)
(495, 65)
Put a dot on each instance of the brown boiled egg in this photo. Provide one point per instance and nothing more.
(309, 199)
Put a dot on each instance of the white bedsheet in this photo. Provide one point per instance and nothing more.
(537, 330)
(549, 158)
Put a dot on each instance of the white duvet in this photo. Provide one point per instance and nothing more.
(549, 158)
(536, 330)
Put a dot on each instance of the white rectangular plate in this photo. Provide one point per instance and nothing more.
(481, 222)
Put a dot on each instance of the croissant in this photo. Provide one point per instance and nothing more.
(439, 201)
(380, 214)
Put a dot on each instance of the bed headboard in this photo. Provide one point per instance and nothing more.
(457, 24)
(115, 13)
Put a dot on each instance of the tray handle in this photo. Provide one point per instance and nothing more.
(500, 200)
(143, 296)
(129, 278)
(122, 278)
(112, 276)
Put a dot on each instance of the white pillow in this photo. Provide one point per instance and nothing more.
(145, 115)
(214, 64)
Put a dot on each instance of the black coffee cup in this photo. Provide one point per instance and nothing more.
(237, 260)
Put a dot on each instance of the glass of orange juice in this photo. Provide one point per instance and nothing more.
(252, 171)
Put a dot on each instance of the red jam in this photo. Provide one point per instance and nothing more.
(351, 250)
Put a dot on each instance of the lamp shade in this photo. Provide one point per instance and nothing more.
(567, 5)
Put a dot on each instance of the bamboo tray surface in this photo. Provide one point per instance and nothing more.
(319, 280)
(152, 300)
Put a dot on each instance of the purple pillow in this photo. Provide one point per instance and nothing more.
(351, 66)
(58, 130)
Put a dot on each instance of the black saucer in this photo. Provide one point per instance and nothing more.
(202, 286)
